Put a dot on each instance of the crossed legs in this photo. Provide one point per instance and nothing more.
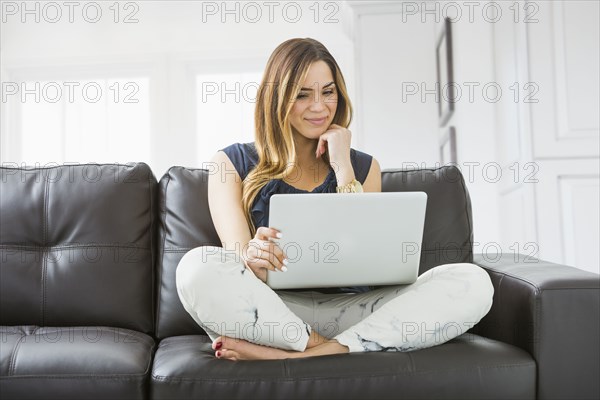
(248, 320)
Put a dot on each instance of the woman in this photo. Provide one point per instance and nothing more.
(302, 145)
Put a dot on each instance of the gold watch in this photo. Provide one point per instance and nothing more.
(352, 187)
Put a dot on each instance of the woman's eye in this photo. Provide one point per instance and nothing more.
(326, 93)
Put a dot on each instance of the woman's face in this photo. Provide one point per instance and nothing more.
(315, 106)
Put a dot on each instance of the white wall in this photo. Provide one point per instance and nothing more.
(564, 61)
(516, 191)
(396, 125)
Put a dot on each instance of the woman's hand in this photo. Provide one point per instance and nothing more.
(262, 254)
(336, 140)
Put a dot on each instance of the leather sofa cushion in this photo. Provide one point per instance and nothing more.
(467, 367)
(74, 362)
(77, 246)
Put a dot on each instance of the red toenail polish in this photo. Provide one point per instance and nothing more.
(219, 345)
(218, 354)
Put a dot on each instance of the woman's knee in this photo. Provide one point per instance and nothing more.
(476, 277)
(467, 270)
(479, 281)
(197, 268)
(470, 269)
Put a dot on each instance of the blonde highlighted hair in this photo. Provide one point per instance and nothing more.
(284, 75)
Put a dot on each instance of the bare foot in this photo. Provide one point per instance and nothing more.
(315, 339)
(238, 349)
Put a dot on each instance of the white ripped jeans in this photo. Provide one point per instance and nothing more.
(226, 298)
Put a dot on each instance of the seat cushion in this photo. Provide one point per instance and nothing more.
(469, 366)
(74, 362)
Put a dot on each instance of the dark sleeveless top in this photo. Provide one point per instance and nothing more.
(244, 157)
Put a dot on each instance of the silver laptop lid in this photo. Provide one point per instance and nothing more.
(348, 239)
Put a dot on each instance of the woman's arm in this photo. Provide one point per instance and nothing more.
(225, 204)
(373, 181)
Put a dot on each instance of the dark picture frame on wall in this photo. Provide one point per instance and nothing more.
(448, 146)
(445, 74)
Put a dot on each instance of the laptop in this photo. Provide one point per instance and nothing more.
(348, 239)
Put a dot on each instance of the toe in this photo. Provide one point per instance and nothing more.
(229, 342)
(227, 354)
(217, 343)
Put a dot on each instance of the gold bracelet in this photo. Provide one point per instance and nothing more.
(352, 187)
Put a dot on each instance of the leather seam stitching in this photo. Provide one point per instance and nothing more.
(470, 223)
(153, 302)
(76, 246)
(532, 284)
(162, 231)
(318, 378)
(79, 376)
(13, 357)
(61, 166)
(44, 254)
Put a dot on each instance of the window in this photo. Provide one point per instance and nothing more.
(96, 120)
(225, 105)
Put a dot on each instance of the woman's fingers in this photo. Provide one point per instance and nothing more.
(261, 255)
(263, 263)
(335, 139)
(272, 253)
(271, 246)
(264, 233)
(277, 255)
(322, 144)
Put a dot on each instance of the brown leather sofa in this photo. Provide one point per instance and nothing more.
(88, 306)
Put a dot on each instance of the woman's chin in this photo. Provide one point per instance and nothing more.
(312, 134)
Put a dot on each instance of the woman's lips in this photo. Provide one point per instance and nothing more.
(317, 121)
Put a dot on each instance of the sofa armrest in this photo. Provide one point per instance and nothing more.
(553, 312)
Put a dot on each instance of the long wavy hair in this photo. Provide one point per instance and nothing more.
(284, 75)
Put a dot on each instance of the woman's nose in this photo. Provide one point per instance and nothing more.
(318, 102)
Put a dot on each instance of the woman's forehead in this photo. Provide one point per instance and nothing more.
(318, 73)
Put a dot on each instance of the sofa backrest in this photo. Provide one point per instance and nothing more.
(77, 245)
(185, 223)
(448, 232)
